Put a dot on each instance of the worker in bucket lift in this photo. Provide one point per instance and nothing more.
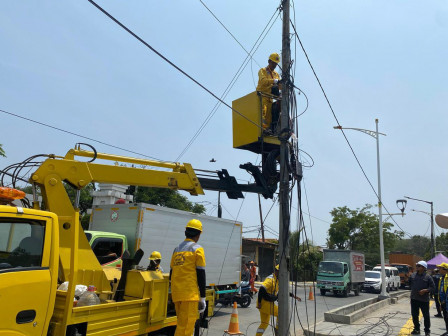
(268, 80)
(267, 295)
(187, 277)
(154, 262)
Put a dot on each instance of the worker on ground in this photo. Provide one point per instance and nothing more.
(253, 275)
(154, 262)
(268, 79)
(421, 285)
(187, 277)
(436, 278)
(267, 295)
(442, 291)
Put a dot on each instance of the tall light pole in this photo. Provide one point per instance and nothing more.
(375, 134)
(433, 242)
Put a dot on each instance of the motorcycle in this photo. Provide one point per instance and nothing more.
(242, 295)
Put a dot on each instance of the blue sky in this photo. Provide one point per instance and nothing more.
(66, 64)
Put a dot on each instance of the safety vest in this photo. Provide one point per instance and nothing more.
(187, 257)
(266, 80)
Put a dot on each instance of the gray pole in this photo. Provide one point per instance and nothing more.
(383, 294)
(284, 218)
(433, 242)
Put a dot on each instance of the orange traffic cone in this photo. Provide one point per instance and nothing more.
(234, 328)
(311, 296)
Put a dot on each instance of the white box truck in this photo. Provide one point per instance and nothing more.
(155, 228)
(341, 271)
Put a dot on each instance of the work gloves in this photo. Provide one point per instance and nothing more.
(201, 305)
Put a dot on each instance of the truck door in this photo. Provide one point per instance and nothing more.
(108, 250)
(26, 281)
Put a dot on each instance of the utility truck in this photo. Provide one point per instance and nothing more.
(155, 228)
(44, 245)
(341, 271)
(405, 263)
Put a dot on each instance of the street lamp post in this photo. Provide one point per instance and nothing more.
(433, 242)
(375, 134)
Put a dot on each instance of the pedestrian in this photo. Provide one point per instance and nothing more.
(154, 262)
(245, 273)
(421, 286)
(268, 79)
(267, 295)
(187, 277)
(436, 278)
(442, 291)
(253, 275)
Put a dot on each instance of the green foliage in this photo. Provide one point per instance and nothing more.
(168, 198)
(417, 244)
(359, 230)
(2, 152)
(85, 199)
(442, 243)
(304, 258)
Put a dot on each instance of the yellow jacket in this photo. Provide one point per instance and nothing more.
(266, 79)
(271, 287)
(187, 257)
(443, 280)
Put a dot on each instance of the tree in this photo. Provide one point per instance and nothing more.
(304, 258)
(419, 245)
(165, 197)
(2, 152)
(359, 230)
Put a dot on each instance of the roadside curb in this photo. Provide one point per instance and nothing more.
(348, 314)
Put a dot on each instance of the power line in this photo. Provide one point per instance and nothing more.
(168, 61)
(337, 121)
(234, 79)
(78, 135)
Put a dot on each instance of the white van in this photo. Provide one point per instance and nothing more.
(392, 277)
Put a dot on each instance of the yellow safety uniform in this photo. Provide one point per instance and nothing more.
(187, 257)
(268, 308)
(266, 79)
(443, 280)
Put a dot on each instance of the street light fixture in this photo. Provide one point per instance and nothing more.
(401, 204)
(433, 242)
(375, 134)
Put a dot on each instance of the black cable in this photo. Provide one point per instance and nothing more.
(337, 121)
(79, 135)
(231, 84)
(167, 60)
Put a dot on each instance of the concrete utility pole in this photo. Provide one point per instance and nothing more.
(284, 217)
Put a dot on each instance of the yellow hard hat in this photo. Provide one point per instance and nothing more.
(275, 58)
(194, 224)
(277, 267)
(155, 255)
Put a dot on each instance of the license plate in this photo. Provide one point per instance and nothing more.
(329, 287)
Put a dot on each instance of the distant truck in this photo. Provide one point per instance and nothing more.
(341, 271)
(406, 265)
(117, 227)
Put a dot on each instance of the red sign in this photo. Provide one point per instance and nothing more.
(358, 262)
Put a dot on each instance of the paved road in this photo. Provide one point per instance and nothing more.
(249, 318)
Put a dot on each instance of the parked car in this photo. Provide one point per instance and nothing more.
(392, 277)
(372, 282)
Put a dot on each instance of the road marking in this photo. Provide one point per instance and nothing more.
(409, 326)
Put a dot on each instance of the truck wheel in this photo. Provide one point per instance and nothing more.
(322, 292)
(344, 293)
(356, 291)
(245, 301)
(388, 289)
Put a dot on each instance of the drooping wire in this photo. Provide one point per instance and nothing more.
(168, 61)
(240, 70)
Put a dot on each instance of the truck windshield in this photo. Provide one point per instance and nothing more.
(330, 267)
(374, 275)
(402, 268)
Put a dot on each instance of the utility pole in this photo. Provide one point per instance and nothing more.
(284, 216)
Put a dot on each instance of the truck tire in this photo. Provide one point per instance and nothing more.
(323, 291)
(345, 293)
(356, 290)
